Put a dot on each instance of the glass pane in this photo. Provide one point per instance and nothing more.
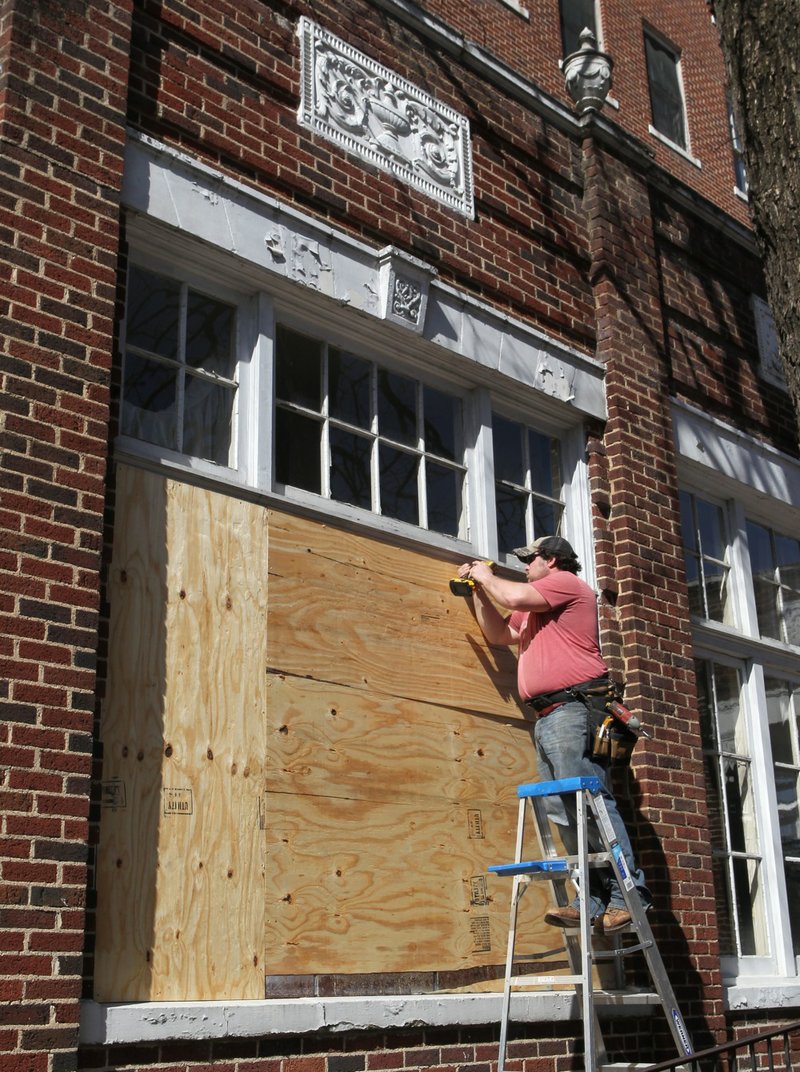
(749, 911)
(717, 601)
(760, 548)
(442, 419)
(443, 491)
(729, 721)
(350, 468)
(546, 518)
(665, 93)
(149, 410)
(298, 369)
(710, 524)
(576, 15)
(399, 494)
(722, 899)
(778, 716)
(787, 552)
(545, 464)
(207, 420)
(791, 616)
(507, 444)
(716, 807)
(209, 335)
(766, 596)
(153, 316)
(786, 788)
(692, 566)
(349, 389)
(792, 871)
(397, 408)
(510, 519)
(297, 450)
(708, 731)
(687, 521)
(739, 800)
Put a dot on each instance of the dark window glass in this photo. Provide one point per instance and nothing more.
(150, 409)
(153, 316)
(349, 389)
(399, 490)
(298, 377)
(444, 498)
(397, 408)
(350, 468)
(297, 450)
(576, 16)
(666, 98)
(440, 423)
(209, 335)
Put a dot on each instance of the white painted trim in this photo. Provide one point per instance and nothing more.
(161, 1021)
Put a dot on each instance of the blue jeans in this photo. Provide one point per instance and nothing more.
(563, 750)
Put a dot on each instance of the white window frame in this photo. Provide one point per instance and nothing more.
(752, 980)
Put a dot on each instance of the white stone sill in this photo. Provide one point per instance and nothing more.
(161, 1021)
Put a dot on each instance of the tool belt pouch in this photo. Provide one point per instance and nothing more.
(613, 742)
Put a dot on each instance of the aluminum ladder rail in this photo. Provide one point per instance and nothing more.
(557, 870)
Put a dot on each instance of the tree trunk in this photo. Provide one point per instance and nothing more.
(760, 40)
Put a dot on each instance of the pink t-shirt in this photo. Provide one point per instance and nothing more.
(559, 647)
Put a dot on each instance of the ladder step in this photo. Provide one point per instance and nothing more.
(530, 867)
(563, 785)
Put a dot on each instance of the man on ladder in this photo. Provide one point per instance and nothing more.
(553, 623)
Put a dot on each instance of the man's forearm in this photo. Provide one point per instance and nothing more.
(492, 623)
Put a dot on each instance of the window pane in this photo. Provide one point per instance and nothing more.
(442, 413)
(695, 588)
(209, 335)
(791, 616)
(397, 408)
(297, 450)
(665, 93)
(399, 492)
(792, 871)
(760, 549)
(711, 528)
(510, 519)
(350, 468)
(576, 15)
(787, 551)
(207, 420)
(298, 373)
(786, 788)
(150, 393)
(349, 389)
(766, 596)
(443, 487)
(730, 720)
(687, 521)
(747, 884)
(508, 461)
(153, 316)
(741, 813)
(546, 518)
(778, 716)
(716, 578)
(545, 464)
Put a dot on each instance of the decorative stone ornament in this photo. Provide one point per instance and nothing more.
(375, 114)
(587, 74)
(404, 285)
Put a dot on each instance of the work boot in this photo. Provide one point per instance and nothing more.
(613, 920)
(563, 917)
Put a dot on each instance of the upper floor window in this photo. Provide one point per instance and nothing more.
(739, 172)
(352, 431)
(775, 563)
(783, 713)
(179, 386)
(577, 16)
(705, 544)
(666, 91)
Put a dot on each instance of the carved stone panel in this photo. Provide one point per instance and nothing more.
(375, 114)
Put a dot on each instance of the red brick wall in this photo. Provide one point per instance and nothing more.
(61, 135)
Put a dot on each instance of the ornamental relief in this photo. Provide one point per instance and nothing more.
(379, 116)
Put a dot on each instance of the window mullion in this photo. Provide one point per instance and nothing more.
(183, 307)
(325, 438)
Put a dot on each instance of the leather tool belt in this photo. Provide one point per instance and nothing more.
(549, 701)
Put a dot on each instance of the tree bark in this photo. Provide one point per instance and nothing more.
(760, 42)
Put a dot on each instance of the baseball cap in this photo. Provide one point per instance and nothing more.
(551, 546)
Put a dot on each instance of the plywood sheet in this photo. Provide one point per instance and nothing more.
(181, 872)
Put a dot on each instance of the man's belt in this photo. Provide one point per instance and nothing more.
(549, 701)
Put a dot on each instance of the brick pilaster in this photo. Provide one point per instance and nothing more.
(62, 128)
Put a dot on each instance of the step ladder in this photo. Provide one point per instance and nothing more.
(581, 955)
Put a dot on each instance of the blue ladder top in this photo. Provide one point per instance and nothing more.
(528, 867)
(563, 785)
